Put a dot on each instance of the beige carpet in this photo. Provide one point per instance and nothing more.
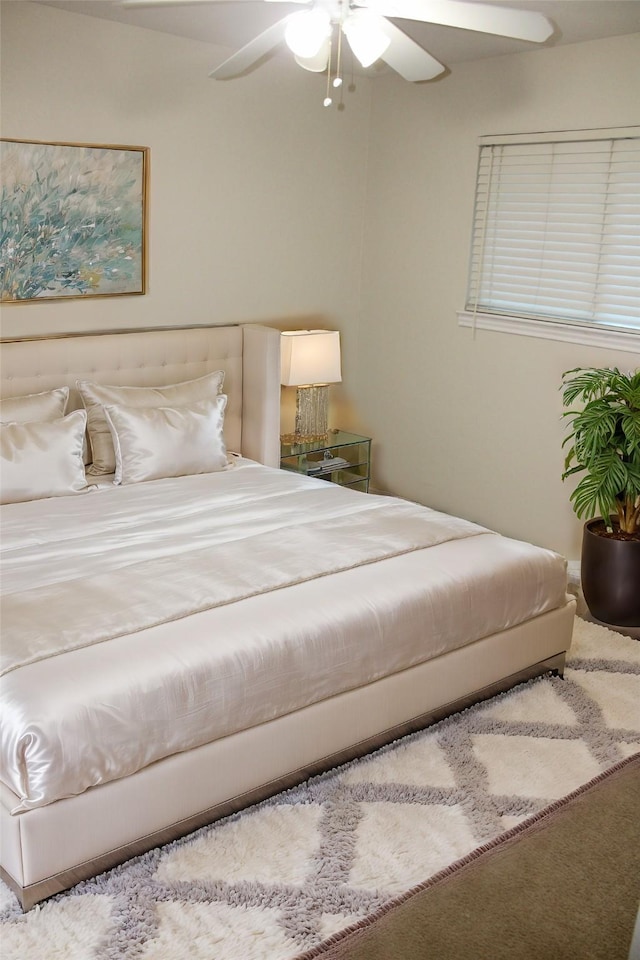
(282, 878)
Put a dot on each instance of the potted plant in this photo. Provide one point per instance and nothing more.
(605, 447)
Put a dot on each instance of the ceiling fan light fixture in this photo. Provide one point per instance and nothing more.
(319, 62)
(306, 32)
(365, 32)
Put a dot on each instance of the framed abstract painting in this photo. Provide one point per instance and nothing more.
(73, 220)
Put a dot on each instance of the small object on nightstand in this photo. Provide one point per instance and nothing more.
(329, 463)
(342, 458)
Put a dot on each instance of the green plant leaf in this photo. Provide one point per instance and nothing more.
(586, 384)
(630, 423)
(604, 438)
(599, 490)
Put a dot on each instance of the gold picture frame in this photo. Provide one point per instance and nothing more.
(75, 219)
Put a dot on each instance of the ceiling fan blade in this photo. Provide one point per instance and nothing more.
(481, 17)
(407, 57)
(246, 56)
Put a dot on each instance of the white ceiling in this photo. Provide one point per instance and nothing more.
(231, 25)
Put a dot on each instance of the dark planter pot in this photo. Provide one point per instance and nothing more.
(610, 573)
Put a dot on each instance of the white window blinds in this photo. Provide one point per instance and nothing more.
(556, 232)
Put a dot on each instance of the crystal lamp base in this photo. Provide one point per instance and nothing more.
(312, 412)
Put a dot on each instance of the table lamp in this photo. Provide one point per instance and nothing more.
(310, 361)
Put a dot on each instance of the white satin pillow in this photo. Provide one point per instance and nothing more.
(96, 396)
(155, 442)
(49, 405)
(42, 459)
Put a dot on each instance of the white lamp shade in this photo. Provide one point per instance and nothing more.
(306, 32)
(365, 32)
(309, 356)
(318, 63)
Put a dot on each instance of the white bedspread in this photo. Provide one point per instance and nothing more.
(234, 534)
(74, 566)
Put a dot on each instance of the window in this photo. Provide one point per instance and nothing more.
(556, 235)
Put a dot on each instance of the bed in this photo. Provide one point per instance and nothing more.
(176, 647)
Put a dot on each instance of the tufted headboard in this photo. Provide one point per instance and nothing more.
(249, 354)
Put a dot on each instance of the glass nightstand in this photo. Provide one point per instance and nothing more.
(343, 458)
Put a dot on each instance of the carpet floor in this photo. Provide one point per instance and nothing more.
(562, 886)
(285, 878)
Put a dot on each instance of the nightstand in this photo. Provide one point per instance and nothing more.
(341, 457)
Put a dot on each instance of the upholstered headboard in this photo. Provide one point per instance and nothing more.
(249, 354)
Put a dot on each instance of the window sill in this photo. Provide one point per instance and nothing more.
(552, 330)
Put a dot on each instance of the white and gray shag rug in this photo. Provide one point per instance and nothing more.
(275, 881)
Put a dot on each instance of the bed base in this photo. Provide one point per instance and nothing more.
(49, 849)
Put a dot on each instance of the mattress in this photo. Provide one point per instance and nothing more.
(234, 627)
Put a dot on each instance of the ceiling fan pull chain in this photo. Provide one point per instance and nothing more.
(327, 100)
(337, 80)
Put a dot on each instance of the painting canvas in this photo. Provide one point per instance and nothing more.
(73, 220)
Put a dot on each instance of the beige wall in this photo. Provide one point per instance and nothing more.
(471, 425)
(257, 190)
(258, 214)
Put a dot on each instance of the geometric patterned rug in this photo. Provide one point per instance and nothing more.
(277, 880)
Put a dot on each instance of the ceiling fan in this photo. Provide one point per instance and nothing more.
(371, 35)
